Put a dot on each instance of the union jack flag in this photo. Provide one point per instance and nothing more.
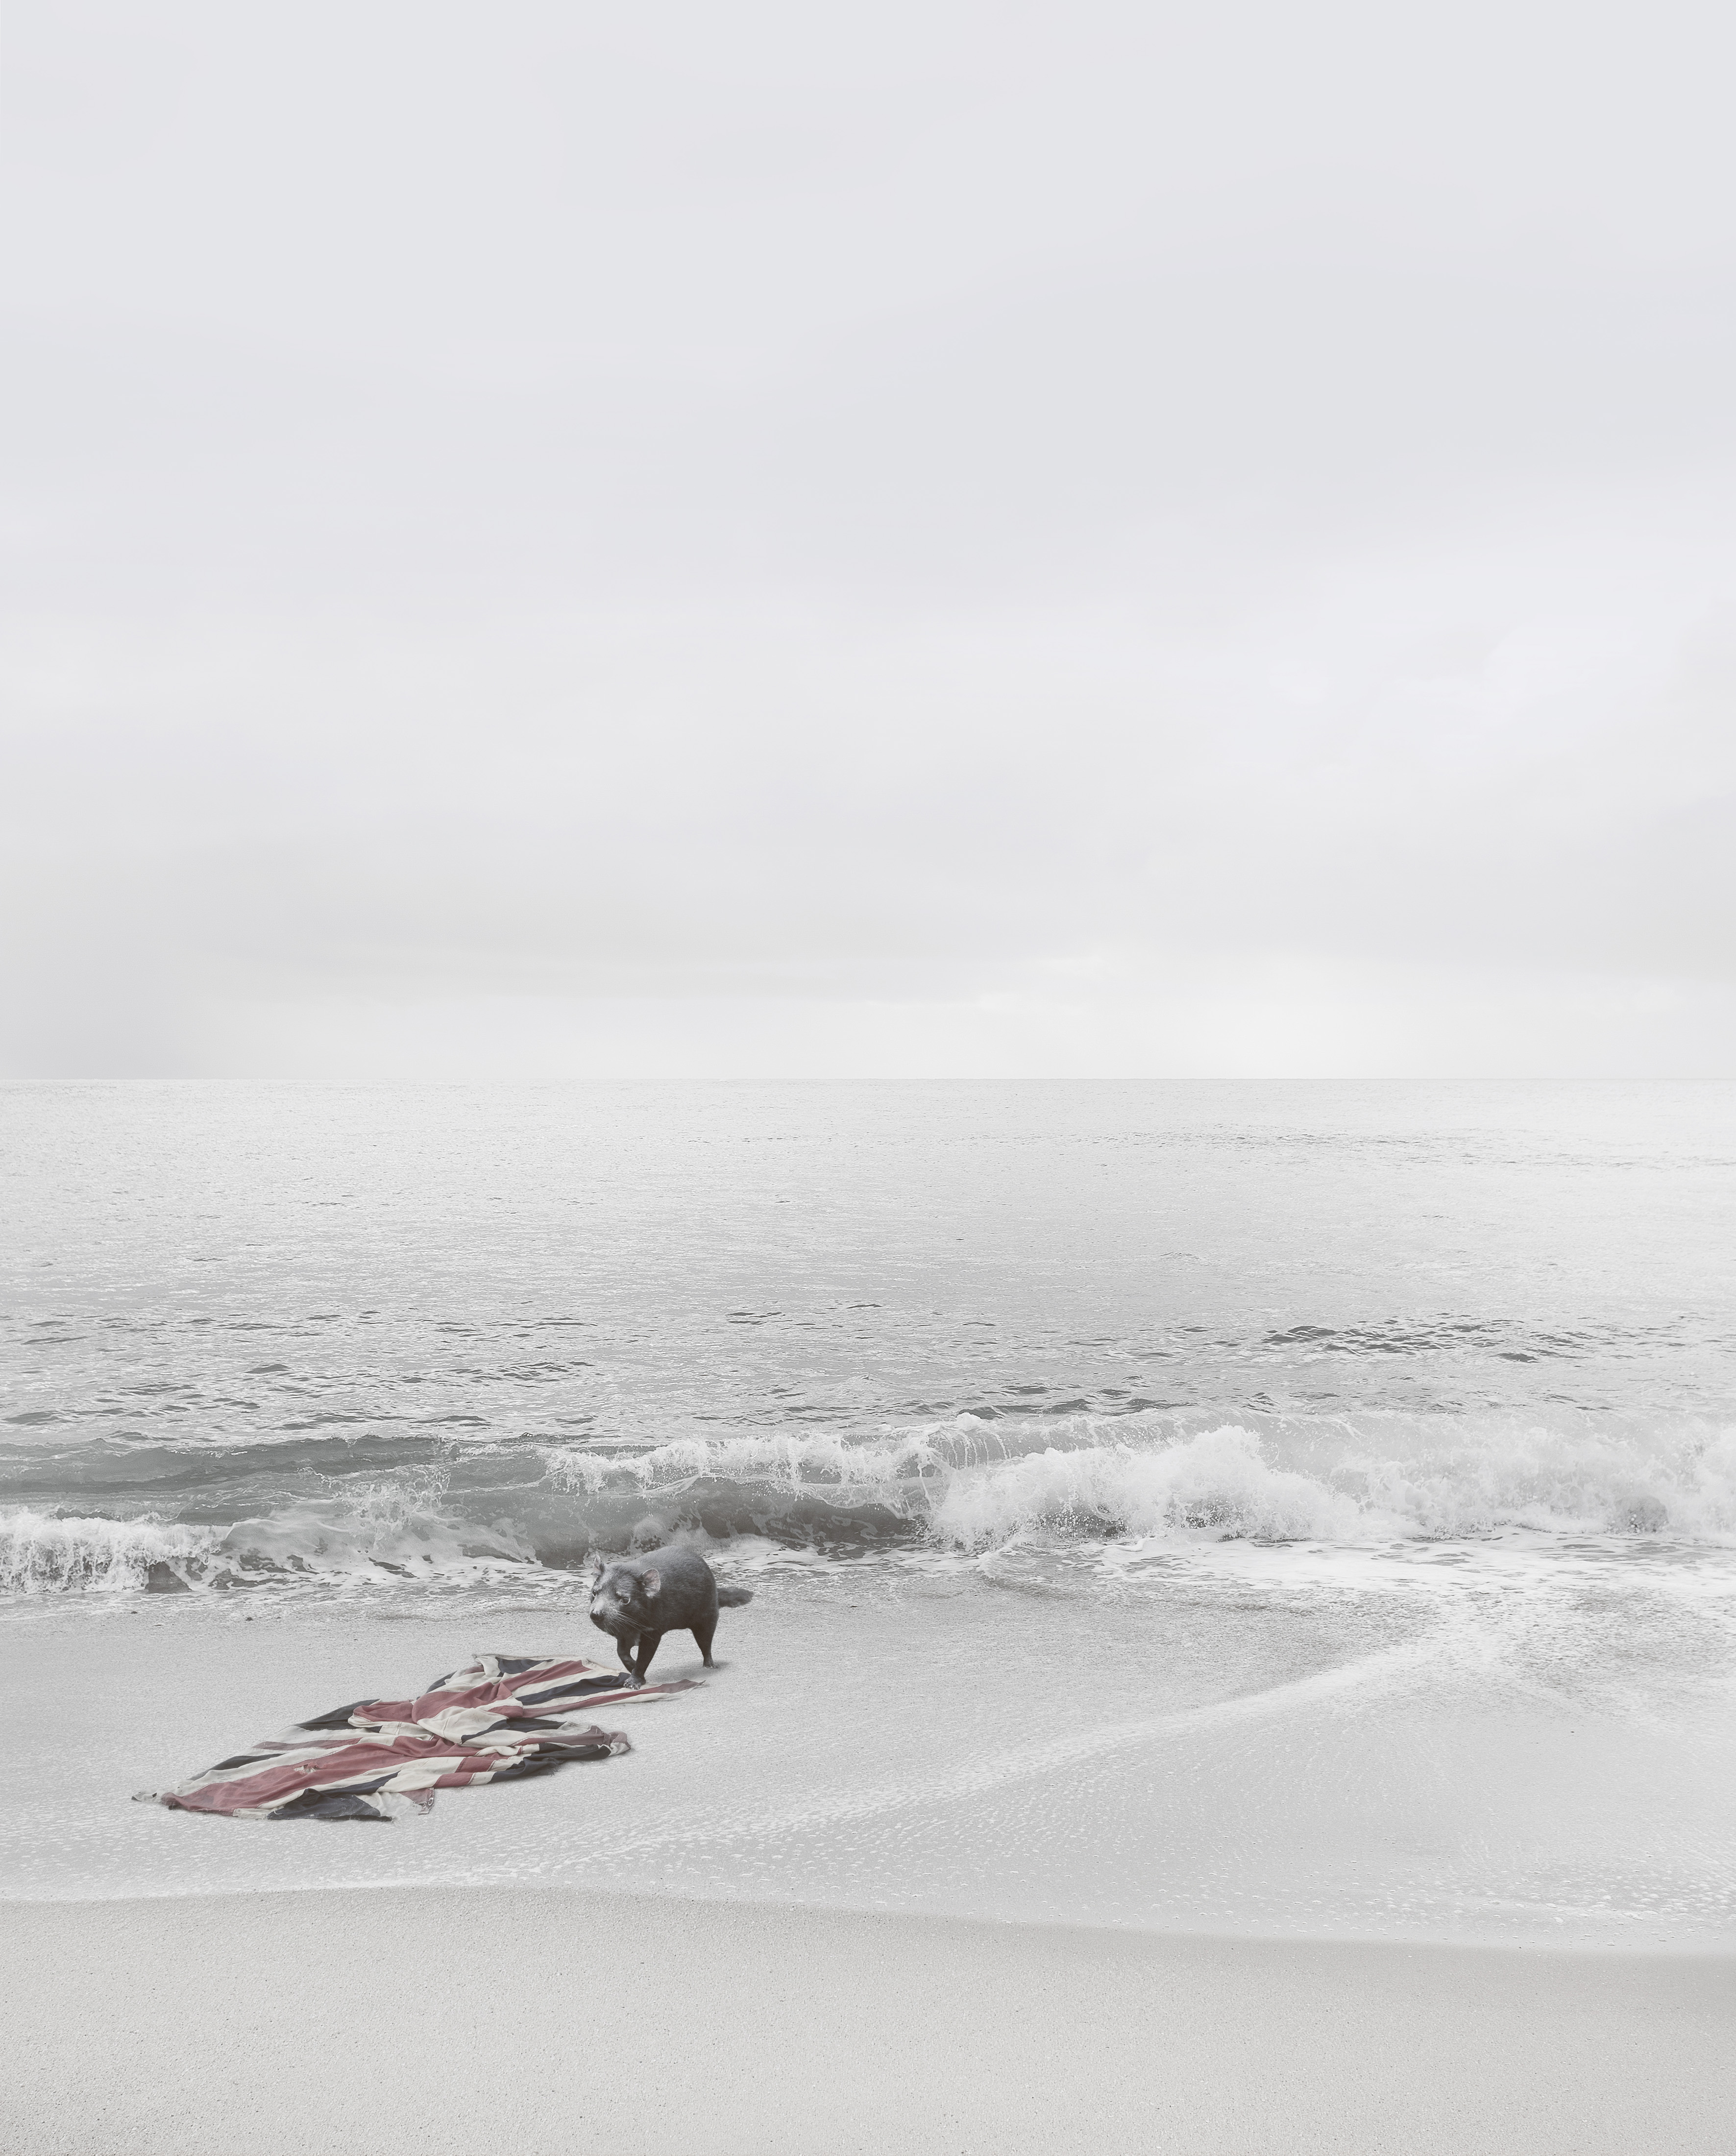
(499, 1719)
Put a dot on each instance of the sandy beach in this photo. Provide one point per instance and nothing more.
(342, 2021)
(1085, 1773)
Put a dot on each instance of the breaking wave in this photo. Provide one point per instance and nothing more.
(42, 1552)
(964, 1486)
(382, 1534)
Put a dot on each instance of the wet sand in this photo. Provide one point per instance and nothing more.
(1224, 1770)
(546, 2020)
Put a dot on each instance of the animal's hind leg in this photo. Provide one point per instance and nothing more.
(703, 1633)
(649, 1643)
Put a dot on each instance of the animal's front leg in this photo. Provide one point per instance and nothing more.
(625, 1644)
(649, 1643)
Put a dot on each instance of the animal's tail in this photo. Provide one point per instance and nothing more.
(733, 1598)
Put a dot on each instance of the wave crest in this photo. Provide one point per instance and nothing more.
(40, 1552)
(969, 1482)
(1217, 1482)
(963, 1485)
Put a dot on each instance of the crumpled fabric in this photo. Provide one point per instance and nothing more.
(500, 1718)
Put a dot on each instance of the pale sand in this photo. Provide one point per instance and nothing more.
(404, 2019)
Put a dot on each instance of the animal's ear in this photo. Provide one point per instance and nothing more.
(651, 1581)
(598, 1567)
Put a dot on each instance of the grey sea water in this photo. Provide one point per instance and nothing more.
(1356, 1465)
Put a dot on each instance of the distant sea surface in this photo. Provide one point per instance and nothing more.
(1449, 1367)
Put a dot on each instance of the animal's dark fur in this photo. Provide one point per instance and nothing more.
(639, 1598)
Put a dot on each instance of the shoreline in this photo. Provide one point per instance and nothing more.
(1713, 1949)
(559, 2018)
(940, 1752)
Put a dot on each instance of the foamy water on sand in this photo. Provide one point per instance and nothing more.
(1308, 1510)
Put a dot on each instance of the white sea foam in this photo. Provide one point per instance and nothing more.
(381, 1530)
(1477, 1479)
(793, 1460)
(971, 1483)
(966, 1486)
(40, 1552)
(1217, 1481)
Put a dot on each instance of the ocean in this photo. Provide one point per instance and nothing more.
(1307, 1509)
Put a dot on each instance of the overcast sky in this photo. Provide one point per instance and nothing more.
(947, 539)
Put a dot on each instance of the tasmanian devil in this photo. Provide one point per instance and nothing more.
(639, 1598)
